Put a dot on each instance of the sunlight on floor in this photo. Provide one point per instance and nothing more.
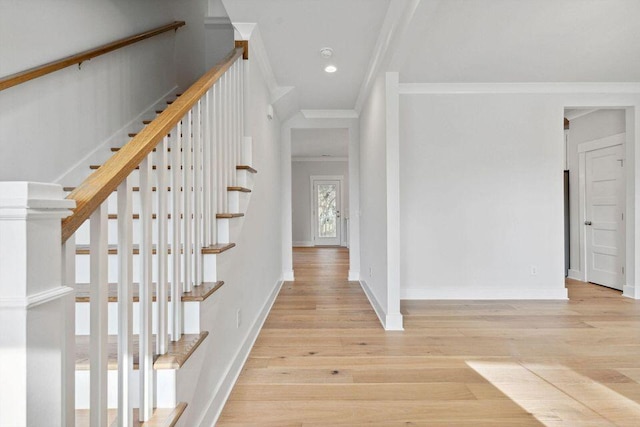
(554, 393)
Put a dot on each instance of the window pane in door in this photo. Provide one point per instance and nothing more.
(327, 210)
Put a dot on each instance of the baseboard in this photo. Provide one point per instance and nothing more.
(390, 322)
(576, 275)
(221, 394)
(79, 172)
(484, 294)
(354, 276)
(288, 276)
(303, 244)
(630, 292)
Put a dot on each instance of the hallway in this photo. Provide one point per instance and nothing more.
(322, 359)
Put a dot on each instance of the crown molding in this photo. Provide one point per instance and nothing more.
(330, 114)
(319, 159)
(523, 88)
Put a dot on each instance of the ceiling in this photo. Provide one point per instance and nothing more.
(294, 31)
(319, 143)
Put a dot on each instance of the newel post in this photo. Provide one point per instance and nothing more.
(34, 306)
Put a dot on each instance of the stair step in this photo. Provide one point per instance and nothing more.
(113, 249)
(136, 189)
(179, 351)
(240, 189)
(154, 167)
(246, 168)
(116, 149)
(162, 417)
(198, 294)
(229, 215)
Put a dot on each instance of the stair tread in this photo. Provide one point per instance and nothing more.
(179, 351)
(113, 249)
(155, 216)
(198, 294)
(161, 417)
(240, 189)
(246, 168)
(136, 189)
(229, 215)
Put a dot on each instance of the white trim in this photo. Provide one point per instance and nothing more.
(354, 276)
(330, 114)
(78, 172)
(578, 113)
(629, 292)
(312, 199)
(487, 88)
(390, 322)
(288, 276)
(576, 275)
(35, 299)
(319, 159)
(303, 244)
(225, 386)
(217, 21)
(606, 142)
(390, 35)
(471, 293)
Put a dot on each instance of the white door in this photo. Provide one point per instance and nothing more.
(604, 210)
(326, 212)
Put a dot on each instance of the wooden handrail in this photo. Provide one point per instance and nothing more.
(41, 70)
(97, 187)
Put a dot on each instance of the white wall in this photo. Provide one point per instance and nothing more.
(301, 173)
(251, 271)
(373, 194)
(49, 124)
(481, 196)
(596, 125)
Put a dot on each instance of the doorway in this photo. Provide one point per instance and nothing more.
(596, 162)
(326, 210)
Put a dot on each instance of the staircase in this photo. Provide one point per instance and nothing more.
(145, 264)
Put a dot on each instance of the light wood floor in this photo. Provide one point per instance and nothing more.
(322, 359)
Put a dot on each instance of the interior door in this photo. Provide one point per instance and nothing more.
(604, 216)
(326, 212)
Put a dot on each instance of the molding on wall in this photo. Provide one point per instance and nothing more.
(220, 396)
(35, 300)
(607, 141)
(390, 322)
(319, 159)
(80, 171)
(576, 275)
(303, 244)
(520, 88)
(330, 114)
(456, 293)
(354, 276)
(288, 276)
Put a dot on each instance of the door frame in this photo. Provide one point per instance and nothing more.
(583, 148)
(339, 178)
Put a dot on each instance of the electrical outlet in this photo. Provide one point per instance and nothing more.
(238, 318)
(534, 270)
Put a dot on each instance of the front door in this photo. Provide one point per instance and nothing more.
(326, 212)
(604, 216)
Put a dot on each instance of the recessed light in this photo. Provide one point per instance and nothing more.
(326, 52)
(330, 68)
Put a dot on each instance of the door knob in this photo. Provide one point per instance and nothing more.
(587, 223)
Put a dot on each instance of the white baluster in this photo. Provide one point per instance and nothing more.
(125, 303)
(217, 163)
(146, 292)
(197, 188)
(176, 285)
(234, 123)
(207, 189)
(242, 160)
(98, 352)
(212, 161)
(187, 172)
(162, 247)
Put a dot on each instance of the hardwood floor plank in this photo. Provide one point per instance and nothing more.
(322, 359)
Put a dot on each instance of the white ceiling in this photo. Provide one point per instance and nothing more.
(319, 142)
(294, 31)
